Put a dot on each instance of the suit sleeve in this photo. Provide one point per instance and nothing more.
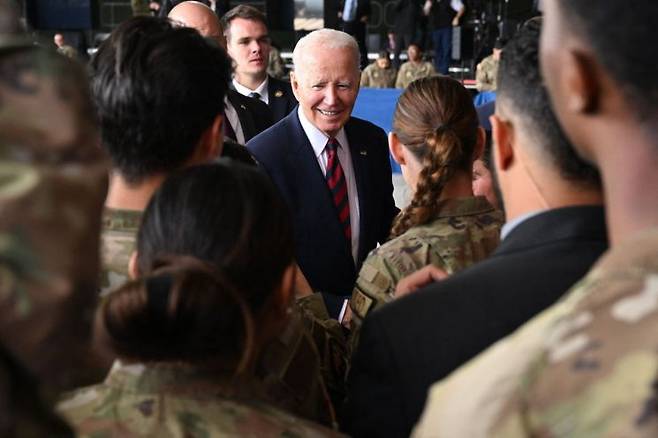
(373, 402)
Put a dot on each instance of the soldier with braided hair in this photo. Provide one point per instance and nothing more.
(435, 139)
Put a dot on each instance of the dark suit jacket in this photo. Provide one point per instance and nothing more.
(255, 117)
(408, 345)
(321, 250)
(281, 99)
(363, 9)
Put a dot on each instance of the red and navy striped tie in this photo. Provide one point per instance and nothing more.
(338, 186)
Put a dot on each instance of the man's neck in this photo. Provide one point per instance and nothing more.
(124, 196)
(631, 186)
(548, 191)
(250, 81)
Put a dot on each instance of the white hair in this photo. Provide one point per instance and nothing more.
(307, 46)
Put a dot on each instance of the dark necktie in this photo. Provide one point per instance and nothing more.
(338, 186)
(254, 95)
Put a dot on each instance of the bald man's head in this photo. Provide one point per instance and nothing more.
(200, 17)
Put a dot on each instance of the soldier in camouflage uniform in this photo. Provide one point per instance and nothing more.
(140, 7)
(52, 183)
(194, 381)
(465, 231)
(588, 365)
(413, 69)
(487, 70)
(450, 233)
(379, 74)
(312, 341)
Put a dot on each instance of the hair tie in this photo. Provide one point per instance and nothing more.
(442, 129)
(157, 293)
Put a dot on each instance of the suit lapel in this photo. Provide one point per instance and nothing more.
(359, 154)
(311, 182)
(245, 118)
(277, 102)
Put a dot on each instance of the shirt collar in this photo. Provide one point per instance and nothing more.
(317, 138)
(261, 89)
(509, 226)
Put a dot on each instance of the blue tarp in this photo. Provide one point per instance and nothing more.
(377, 106)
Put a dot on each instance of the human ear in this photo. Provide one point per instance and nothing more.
(479, 144)
(133, 272)
(503, 137)
(294, 83)
(581, 82)
(396, 148)
(287, 289)
(211, 143)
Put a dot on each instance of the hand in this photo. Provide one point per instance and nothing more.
(302, 286)
(419, 279)
(364, 19)
(455, 22)
(347, 317)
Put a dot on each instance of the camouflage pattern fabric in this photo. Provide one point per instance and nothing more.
(375, 77)
(465, 231)
(330, 341)
(68, 51)
(168, 401)
(294, 366)
(585, 367)
(118, 243)
(410, 71)
(275, 65)
(486, 74)
(53, 180)
(140, 7)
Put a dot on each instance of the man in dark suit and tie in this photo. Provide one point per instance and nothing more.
(354, 15)
(244, 117)
(555, 231)
(249, 44)
(331, 168)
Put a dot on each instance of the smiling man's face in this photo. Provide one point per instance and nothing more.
(326, 86)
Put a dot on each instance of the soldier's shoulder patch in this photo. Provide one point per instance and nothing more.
(360, 303)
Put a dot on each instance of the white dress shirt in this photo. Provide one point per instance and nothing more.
(318, 140)
(261, 89)
(233, 120)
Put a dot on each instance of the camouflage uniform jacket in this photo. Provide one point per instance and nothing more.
(410, 71)
(586, 367)
(53, 179)
(303, 369)
(466, 231)
(486, 74)
(118, 243)
(164, 400)
(375, 77)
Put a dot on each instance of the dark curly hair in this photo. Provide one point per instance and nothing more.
(522, 90)
(435, 119)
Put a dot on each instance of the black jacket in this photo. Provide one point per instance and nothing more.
(255, 117)
(408, 345)
(281, 99)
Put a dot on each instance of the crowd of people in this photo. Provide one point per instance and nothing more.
(190, 247)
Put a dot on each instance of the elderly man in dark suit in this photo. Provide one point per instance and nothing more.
(249, 44)
(332, 169)
(555, 231)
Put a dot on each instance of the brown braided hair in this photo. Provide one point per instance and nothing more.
(436, 121)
